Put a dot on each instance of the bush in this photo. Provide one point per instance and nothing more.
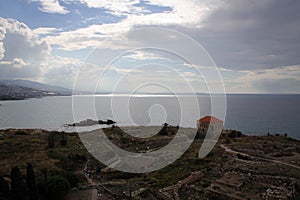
(227, 141)
(206, 183)
(51, 141)
(4, 188)
(21, 132)
(75, 157)
(56, 187)
(71, 178)
(164, 130)
(63, 142)
(18, 186)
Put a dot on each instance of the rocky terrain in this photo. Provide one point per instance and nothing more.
(239, 167)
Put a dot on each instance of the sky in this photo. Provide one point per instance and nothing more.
(231, 46)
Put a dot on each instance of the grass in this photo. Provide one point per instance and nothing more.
(19, 147)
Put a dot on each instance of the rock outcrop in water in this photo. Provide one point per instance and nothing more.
(90, 122)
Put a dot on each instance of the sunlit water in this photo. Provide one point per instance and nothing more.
(252, 114)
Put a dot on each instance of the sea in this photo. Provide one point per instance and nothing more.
(253, 114)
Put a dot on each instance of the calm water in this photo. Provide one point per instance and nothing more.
(252, 114)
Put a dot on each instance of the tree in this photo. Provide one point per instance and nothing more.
(31, 183)
(56, 187)
(98, 170)
(44, 171)
(51, 141)
(63, 142)
(71, 178)
(18, 186)
(164, 130)
(4, 188)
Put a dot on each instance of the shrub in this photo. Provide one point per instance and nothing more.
(56, 187)
(18, 186)
(63, 142)
(71, 178)
(227, 141)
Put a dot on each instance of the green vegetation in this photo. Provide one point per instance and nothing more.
(49, 154)
(178, 170)
(31, 183)
(18, 186)
(71, 178)
(56, 187)
(168, 130)
(58, 159)
(4, 188)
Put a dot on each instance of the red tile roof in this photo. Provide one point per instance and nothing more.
(209, 119)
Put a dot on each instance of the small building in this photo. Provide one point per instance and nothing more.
(209, 124)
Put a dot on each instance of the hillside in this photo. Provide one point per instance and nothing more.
(245, 167)
(23, 89)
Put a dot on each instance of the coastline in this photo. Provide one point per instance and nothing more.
(95, 127)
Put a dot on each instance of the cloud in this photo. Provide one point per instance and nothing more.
(248, 35)
(183, 13)
(18, 63)
(284, 79)
(27, 56)
(2, 36)
(60, 71)
(115, 7)
(249, 40)
(238, 35)
(144, 55)
(188, 12)
(22, 52)
(91, 36)
(51, 6)
(45, 31)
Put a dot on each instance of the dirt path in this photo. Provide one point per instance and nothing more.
(229, 150)
(90, 180)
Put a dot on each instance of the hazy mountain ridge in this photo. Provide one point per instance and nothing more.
(23, 89)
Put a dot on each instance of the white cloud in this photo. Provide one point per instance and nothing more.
(115, 7)
(18, 63)
(80, 38)
(51, 6)
(276, 73)
(2, 36)
(27, 56)
(142, 55)
(183, 12)
(233, 33)
(284, 79)
(45, 30)
(22, 52)
(188, 12)
(2, 50)
(60, 71)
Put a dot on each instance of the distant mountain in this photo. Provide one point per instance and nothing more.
(34, 85)
(23, 89)
(155, 93)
